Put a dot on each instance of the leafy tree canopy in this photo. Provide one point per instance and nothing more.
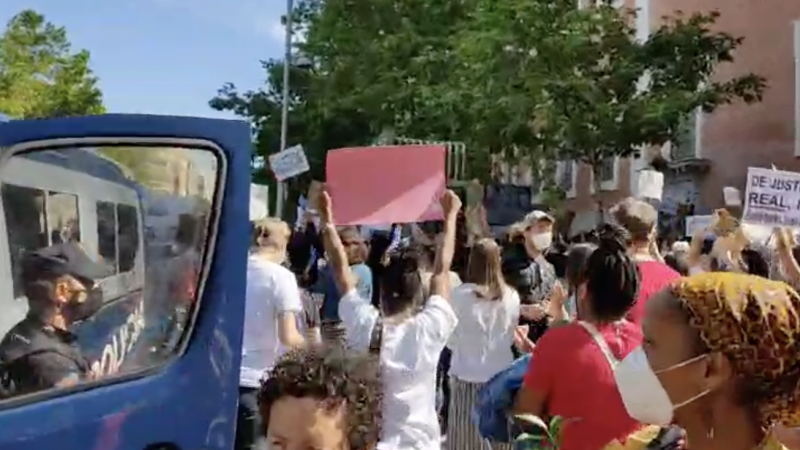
(576, 84)
(534, 79)
(40, 75)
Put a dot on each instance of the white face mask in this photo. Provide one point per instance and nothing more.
(642, 393)
(542, 241)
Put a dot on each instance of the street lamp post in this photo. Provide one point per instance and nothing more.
(280, 192)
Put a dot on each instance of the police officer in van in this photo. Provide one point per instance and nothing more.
(40, 352)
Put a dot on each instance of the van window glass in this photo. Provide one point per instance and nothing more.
(107, 234)
(26, 226)
(62, 217)
(128, 235)
(141, 216)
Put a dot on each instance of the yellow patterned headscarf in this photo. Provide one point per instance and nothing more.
(754, 322)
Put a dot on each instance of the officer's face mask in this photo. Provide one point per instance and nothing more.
(84, 304)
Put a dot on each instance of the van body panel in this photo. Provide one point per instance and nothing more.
(189, 400)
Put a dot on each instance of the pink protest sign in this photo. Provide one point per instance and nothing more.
(382, 185)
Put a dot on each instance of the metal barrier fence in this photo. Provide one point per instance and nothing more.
(456, 154)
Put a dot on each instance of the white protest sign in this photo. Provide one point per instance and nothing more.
(772, 197)
(259, 201)
(695, 224)
(651, 184)
(732, 196)
(289, 163)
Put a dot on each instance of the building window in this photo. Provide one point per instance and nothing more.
(685, 145)
(566, 177)
(607, 168)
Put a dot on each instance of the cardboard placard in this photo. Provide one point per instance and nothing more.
(289, 163)
(732, 196)
(695, 224)
(391, 184)
(651, 184)
(772, 197)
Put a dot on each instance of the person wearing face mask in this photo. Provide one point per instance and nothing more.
(570, 373)
(720, 358)
(40, 352)
(525, 268)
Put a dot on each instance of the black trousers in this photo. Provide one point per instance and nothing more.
(249, 430)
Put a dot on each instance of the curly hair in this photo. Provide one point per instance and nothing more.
(336, 378)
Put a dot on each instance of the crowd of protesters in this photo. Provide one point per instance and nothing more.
(389, 339)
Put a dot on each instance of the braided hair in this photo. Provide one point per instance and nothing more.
(612, 276)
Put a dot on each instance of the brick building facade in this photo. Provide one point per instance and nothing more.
(716, 148)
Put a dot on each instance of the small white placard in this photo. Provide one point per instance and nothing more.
(695, 224)
(651, 184)
(732, 196)
(289, 163)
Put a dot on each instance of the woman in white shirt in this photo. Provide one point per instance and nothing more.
(487, 311)
(409, 332)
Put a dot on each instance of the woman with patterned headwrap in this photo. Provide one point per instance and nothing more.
(720, 358)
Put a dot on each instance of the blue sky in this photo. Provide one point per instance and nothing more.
(167, 56)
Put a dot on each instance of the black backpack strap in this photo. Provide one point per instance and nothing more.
(376, 339)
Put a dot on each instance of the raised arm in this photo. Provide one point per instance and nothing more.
(440, 280)
(334, 249)
(785, 244)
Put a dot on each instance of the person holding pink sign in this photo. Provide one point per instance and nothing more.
(407, 333)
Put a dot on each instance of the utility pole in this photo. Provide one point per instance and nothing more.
(280, 192)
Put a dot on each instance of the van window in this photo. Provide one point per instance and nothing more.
(128, 232)
(62, 218)
(26, 225)
(147, 311)
(107, 233)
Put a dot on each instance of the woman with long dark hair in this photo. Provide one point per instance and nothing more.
(571, 373)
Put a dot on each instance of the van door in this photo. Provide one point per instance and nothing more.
(156, 365)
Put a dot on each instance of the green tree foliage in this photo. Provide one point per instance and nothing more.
(575, 84)
(317, 129)
(40, 75)
(534, 79)
(392, 60)
(374, 65)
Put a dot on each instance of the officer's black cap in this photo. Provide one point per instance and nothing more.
(59, 260)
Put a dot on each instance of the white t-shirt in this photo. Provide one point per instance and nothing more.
(271, 290)
(409, 356)
(481, 343)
